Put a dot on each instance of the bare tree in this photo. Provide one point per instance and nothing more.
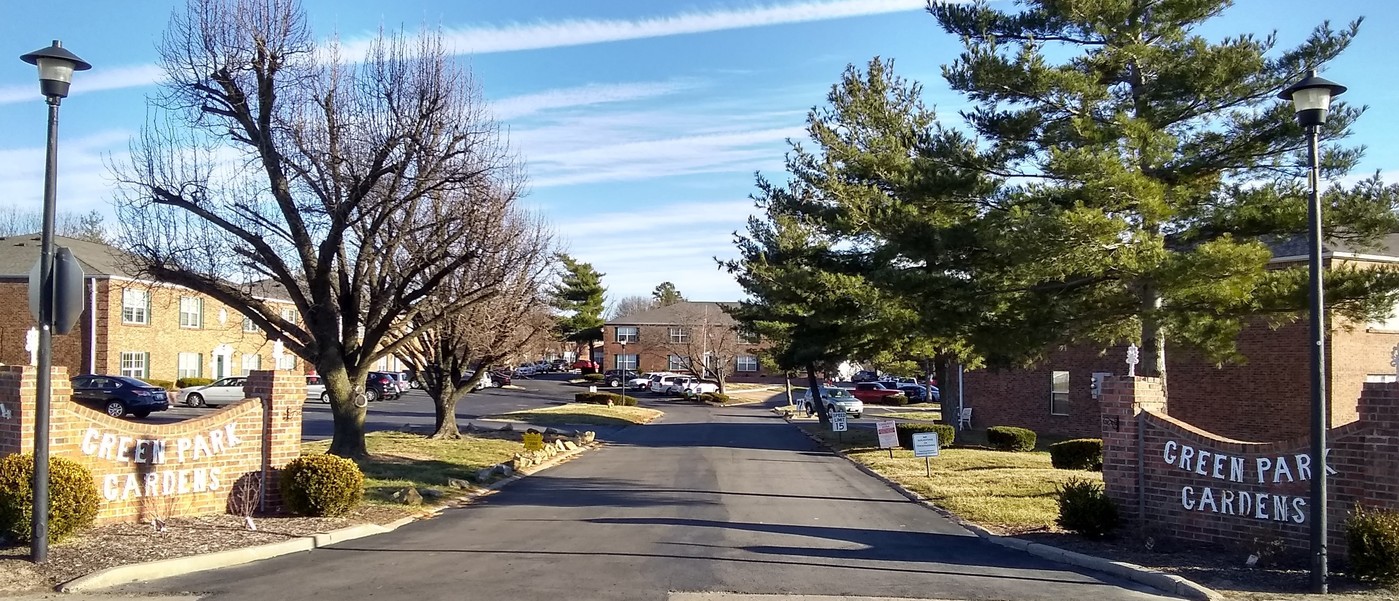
(631, 305)
(706, 339)
(15, 221)
(343, 179)
(516, 253)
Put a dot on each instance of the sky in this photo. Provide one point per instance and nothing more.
(641, 123)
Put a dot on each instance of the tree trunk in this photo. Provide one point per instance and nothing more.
(1153, 359)
(348, 438)
(445, 410)
(814, 385)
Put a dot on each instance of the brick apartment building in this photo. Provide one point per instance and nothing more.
(670, 338)
(1264, 399)
(134, 327)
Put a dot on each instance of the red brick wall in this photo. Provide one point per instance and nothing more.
(1224, 491)
(69, 350)
(653, 353)
(145, 470)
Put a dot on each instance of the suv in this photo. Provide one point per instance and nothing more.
(865, 375)
(119, 395)
(381, 385)
(833, 398)
(661, 383)
(614, 378)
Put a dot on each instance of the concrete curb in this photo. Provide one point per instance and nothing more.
(179, 566)
(1167, 583)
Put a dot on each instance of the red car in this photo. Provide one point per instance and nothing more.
(873, 392)
(584, 364)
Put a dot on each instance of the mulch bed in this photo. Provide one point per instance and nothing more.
(120, 544)
(1220, 569)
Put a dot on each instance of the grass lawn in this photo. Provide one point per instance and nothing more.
(914, 415)
(582, 414)
(1014, 492)
(398, 461)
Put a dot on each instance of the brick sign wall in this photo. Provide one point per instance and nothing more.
(1172, 477)
(144, 470)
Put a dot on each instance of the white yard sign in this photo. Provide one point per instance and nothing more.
(838, 422)
(888, 434)
(925, 444)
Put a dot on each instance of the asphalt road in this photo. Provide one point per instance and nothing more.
(415, 407)
(706, 500)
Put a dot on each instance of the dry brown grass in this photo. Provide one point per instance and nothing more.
(582, 414)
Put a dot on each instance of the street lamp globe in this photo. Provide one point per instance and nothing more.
(1311, 98)
(56, 67)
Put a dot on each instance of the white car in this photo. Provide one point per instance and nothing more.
(526, 369)
(835, 398)
(661, 383)
(220, 392)
(315, 390)
(696, 387)
(643, 382)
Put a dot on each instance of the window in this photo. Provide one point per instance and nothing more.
(679, 336)
(191, 365)
(1098, 377)
(251, 361)
(1059, 393)
(675, 363)
(749, 337)
(135, 306)
(191, 312)
(628, 334)
(286, 361)
(1388, 324)
(747, 363)
(248, 325)
(626, 362)
(289, 315)
(135, 365)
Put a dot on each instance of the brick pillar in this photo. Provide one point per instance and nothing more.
(18, 384)
(1123, 400)
(282, 393)
(1379, 411)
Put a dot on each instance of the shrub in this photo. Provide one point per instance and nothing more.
(166, 384)
(601, 398)
(1011, 438)
(593, 377)
(897, 400)
(322, 485)
(1084, 508)
(1373, 535)
(188, 382)
(1077, 454)
(73, 497)
(905, 430)
(714, 397)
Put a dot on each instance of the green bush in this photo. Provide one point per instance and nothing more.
(188, 382)
(322, 485)
(1011, 438)
(1084, 508)
(601, 398)
(166, 384)
(593, 377)
(1077, 454)
(906, 430)
(1373, 536)
(73, 497)
(714, 397)
(896, 400)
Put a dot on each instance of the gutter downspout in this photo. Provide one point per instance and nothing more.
(92, 326)
(960, 403)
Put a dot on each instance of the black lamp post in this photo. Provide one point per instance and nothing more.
(1311, 98)
(56, 67)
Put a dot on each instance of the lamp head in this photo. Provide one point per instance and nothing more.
(56, 67)
(1311, 98)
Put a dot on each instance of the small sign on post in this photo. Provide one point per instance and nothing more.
(534, 440)
(839, 423)
(888, 435)
(925, 445)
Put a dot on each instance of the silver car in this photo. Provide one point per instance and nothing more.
(836, 397)
(315, 390)
(221, 392)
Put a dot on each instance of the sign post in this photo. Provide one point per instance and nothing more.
(925, 445)
(839, 423)
(888, 435)
(534, 440)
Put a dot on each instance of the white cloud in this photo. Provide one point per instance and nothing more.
(98, 79)
(678, 217)
(83, 180)
(519, 106)
(635, 263)
(577, 32)
(742, 151)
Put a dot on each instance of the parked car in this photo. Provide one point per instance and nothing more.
(661, 383)
(558, 365)
(485, 382)
(916, 393)
(585, 366)
(695, 387)
(500, 378)
(835, 398)
(380, 385)
(315, 389)
(526, 369)
(873, 391)
(219, 392)
(643, 381)
(865, 375)
(119, 395)
(614, 378)
(402, 380)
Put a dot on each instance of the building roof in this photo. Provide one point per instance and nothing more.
(1295, 249)
(679, 313)
(18, 254)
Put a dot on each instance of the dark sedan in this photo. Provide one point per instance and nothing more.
(119, 395)
(915, 393)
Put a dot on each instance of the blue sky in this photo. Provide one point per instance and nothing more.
(641, 122)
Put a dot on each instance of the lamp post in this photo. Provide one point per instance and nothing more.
(621, 371)
(56, 67)
(1311, 99)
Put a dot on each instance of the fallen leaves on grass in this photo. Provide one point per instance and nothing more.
(582, 414)
(398, 460)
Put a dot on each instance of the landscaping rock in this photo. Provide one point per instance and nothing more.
(508, 428)
(589, 436)
(469, 427)
(569, 445)
(408, 496)
(505, 470)
(484, 474)
(430, 494)
(558, 444)
(458, 483)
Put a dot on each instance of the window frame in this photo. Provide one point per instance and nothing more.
(243, 362)
(138, 316)
(248, 326)
(675, 362)
(625, 362)
(131, 357)
(678, 335)
(633, 334)
(1059, 397)
(287, 359)
(198, 322)
(741, 360)
(181, 372)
